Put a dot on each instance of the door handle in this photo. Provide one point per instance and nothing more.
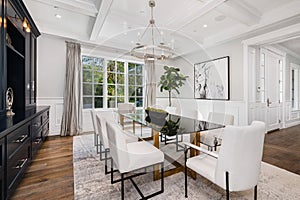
(268, 102)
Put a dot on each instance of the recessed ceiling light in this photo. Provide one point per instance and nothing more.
(205, 26)
(220, 18)
(58, 16)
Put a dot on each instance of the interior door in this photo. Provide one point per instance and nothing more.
(272, 83)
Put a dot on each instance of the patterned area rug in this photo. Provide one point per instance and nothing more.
(91, 183)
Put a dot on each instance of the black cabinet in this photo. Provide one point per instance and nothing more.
(18, 56)
(2, 161)
(21, 136)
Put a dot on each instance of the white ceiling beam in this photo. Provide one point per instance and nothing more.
(240, 11)
(208, 6)
(100, 19)
(74, 6)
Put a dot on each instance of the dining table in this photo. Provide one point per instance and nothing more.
(171, 125)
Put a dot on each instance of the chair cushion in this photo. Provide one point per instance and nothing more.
(204, 165)
(129, 137)
(142, 154)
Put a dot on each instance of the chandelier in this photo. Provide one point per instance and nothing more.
(155, 50)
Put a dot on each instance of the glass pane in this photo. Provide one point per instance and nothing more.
(111, 103)
(262, 84)
(111, 78)
(262, 97)
(98, 64)
(87, 89)
(262, 59)
(139, 69)
(139, 80)
(121, 90)
(111, 66)
(121, 100)
(121, 78)
(98, 102)
(98, 90)
(87, 62)
(132, 100)
(281, 97)
(120, 67)
(98, 77)
(262, 72)
(131, 68)
(111, 90)
(87, 102)
(131, 80)
(139, 91)
(131, 91)
(139, 102)
(87, 76)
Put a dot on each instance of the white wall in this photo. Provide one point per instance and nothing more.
(185, 102)
(51, 65)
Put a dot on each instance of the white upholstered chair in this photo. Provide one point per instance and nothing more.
(96, 132)
(213, 138)
(101, 120)
(124, 108)
(237, 166)
(129, 157)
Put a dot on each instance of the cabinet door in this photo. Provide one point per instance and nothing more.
(2, 61)
(2, 152)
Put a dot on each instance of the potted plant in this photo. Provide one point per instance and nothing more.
(172, 79)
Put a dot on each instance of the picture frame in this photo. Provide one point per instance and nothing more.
(211, 79)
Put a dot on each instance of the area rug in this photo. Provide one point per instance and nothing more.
(90, 182)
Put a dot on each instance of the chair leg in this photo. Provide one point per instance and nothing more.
(227, 185)
(111, 171)
(185, 172)
(105, 167)
(122, 186)
(255, 192)
(162, 177)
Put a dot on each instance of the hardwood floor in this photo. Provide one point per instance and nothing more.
(282, 149)
(50, 175)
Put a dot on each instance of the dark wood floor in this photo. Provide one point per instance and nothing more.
(50, 175)
(282, 149)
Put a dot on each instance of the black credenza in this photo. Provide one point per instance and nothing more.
(21, 136)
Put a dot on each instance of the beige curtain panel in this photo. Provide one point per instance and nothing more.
(150, 98)
(72, 112)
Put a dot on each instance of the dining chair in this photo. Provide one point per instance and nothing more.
(213, 138)
(129, 157)
(237, 166)
(124, 108)
(96, 132)
(102, 119)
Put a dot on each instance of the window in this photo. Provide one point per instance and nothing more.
(135, 84)
(92, 82)
(295, 84)
(262, 77)
(109, 82)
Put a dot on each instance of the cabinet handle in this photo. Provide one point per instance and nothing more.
(21, 139)
(36, 124)
(37, 141)
(22, 164)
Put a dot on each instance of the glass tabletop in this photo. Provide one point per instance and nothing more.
(172, 124)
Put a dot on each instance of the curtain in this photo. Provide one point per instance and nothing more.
(72, 110)
(150, 98)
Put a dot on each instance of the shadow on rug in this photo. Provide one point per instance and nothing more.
(91, 183)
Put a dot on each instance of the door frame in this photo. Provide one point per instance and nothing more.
(269, 38)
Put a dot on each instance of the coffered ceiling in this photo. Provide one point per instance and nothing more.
(186, 24)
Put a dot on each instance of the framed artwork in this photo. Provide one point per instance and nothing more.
(211, 79)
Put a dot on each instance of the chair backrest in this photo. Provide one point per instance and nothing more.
(126, 108)
(240, 155)
(93, 116)
(102, 118)
(221, 118)
(117, 145)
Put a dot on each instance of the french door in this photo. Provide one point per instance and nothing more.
(271, 63)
